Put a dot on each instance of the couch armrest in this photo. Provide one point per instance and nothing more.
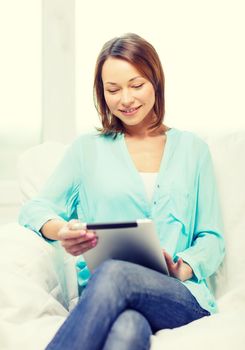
(39, 266)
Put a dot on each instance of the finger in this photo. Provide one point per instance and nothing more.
(76, 241)
(166, 254)
(66, 233)
(83, 238)
(168, 257)
(179, 262)
(179, 268)
(75, 225)
(82, 248)
(72, 222)
(81, 245)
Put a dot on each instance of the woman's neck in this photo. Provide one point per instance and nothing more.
(142, 133)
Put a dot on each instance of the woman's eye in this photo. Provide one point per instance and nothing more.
(112, 91)
(138, 86)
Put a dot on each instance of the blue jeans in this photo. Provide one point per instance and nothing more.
(122, 305)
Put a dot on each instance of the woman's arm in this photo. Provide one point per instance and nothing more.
(52, 228)
(56, 203)
(207, 249)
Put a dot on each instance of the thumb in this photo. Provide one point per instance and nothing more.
(179, 262)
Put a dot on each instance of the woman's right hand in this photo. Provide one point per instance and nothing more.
(76, 241)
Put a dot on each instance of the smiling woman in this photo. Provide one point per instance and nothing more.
(138, 89)
(99, 179)
(131, 95)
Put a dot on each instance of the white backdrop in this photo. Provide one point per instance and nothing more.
(200, 43)
(201, 46)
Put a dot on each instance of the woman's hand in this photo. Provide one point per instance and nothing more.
(76, 241)
(179, 269)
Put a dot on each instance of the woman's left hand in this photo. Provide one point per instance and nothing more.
(179, 269)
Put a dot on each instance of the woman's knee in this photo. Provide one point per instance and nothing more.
(130, 322)
(130, 327)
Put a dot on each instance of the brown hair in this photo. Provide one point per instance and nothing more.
(142, 55)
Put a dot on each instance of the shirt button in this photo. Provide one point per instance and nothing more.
(155, 203)
(158, 186)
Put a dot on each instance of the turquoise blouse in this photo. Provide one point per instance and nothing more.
(98, 181)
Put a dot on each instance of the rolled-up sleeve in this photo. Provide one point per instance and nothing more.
(207, 250)
(58, 198)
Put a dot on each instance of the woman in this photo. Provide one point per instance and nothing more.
(135, 167)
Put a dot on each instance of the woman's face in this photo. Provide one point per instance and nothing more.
(129, 96)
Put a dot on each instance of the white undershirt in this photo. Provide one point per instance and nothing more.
(149, 180)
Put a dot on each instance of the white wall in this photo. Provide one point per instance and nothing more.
(58, 70)
(37, 84)
(201, 45)
(20, 93)
(20, 80)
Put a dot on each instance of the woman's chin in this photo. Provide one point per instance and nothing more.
(131, 121)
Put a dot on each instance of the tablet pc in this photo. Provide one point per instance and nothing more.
(133, 241)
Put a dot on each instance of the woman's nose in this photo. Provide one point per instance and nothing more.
(127, 98)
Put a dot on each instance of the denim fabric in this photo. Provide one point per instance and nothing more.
(130, 330)
(122, 305)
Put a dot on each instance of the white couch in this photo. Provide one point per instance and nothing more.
(38, 279)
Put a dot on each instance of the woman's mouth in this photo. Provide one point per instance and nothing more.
(129, 111)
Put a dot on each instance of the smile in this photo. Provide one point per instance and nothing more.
(129, 111)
